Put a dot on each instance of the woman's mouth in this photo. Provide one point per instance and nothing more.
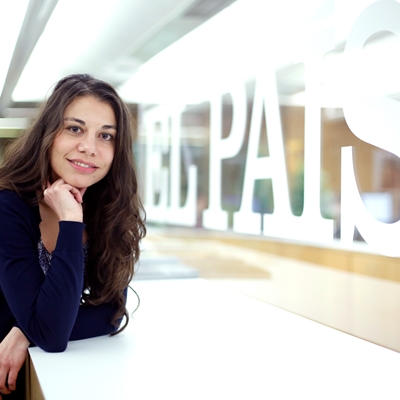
(83, 166)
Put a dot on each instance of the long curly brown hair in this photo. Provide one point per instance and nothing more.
(113, 212)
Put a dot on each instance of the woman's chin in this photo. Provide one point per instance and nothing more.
(79, 183)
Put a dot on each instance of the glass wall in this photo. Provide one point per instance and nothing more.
(280, 121)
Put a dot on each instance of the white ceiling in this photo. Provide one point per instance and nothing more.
(155, 51)
(48, 39)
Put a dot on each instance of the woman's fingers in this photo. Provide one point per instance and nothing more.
(82, 190)
(60, 183)
(65, 200)
(12, 378)
(3, 381)
(77, 194)
(13, 351)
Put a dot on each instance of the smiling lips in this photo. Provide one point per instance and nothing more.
(83, 166)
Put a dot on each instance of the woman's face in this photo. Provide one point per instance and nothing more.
(83, 151)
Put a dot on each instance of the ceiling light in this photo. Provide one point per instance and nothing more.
(13, 16)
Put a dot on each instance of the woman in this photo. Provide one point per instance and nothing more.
(71, 223)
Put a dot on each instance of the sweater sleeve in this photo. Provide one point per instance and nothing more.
(45, 307)
(95, 321)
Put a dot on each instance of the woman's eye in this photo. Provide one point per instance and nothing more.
(107, 136)
(75, 129)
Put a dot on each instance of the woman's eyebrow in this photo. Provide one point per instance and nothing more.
(84, 123)
(75, 119)
(109, 127)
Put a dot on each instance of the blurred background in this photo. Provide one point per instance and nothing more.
(267, 138)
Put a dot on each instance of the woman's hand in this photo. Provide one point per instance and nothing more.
(65, 200)
(13, 351)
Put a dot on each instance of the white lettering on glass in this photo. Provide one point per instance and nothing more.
(185, 215)
(369, 112)
(271, 167)
(282, 223)
(375, 120)
(162, 127)
(222, 148)
(155, 126)
(311, 225)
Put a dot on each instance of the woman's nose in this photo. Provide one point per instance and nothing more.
(87, 145)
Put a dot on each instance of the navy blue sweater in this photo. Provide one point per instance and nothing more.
(45, 307)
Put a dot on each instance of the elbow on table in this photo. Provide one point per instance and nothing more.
(57, 345)
(54, 348)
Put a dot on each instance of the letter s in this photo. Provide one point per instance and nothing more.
(372, 118)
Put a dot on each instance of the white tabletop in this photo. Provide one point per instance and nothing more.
(192, 339)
